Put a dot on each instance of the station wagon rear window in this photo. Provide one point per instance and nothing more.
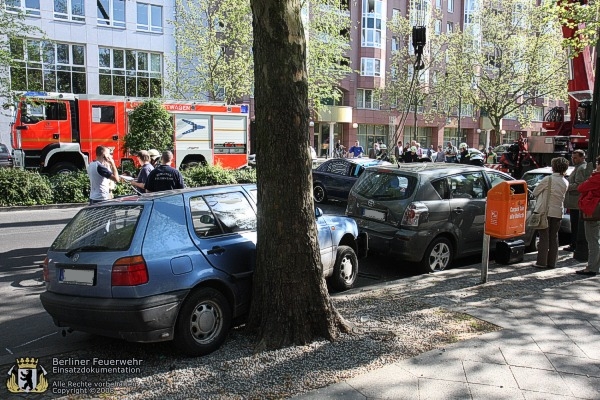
(380, 185)
(108, 228)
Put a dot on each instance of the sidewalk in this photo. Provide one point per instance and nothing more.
(549, 347)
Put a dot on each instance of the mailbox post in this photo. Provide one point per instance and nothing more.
(505, 216)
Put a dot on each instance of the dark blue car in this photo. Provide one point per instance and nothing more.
(333, 179)
(173, 265)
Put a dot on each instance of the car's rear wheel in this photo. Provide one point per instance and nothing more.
(319, 193)
(203, 322)
(438, 255)
(345, 269)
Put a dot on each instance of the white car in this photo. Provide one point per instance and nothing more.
(534, 176)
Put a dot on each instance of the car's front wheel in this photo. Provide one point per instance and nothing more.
(203, 322)
(438, 255)
(345, 269)
(319, 193)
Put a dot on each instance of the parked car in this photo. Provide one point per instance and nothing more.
(6, 159)
(534, 176)
(173, 265)
(333, 179)
(429, 213)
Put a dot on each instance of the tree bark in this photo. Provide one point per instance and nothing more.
(290, 302)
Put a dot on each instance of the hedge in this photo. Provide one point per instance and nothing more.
(26, 188)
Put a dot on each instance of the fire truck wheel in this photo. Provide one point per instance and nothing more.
(63, 168)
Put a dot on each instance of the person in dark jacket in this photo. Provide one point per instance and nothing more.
(164, 177)
(588, 201)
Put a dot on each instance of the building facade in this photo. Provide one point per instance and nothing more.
(108, 47)
(372, 47)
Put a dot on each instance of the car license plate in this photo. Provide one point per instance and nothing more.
(373, 214)
(77, 276)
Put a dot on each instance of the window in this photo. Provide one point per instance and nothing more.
(496, 178)
(467, 186)
(130, 73)
(438, 4)
(103, 114)
(227, 213)
(111, 13)
(438, 27)
(29, 7)
(451, 6)
(50, 111)
(149, 18)
(538, 113)
(372, 23)
(395, 43)
(338, 167)
(71, 10)
(449, 27)
(367, 98)
(370, 67)
(48, 66)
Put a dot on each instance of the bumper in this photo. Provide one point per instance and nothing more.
(404, 244)
(149, 319)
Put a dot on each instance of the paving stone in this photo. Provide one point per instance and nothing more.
(524, 358)
(575, 365)
(540, 380)
(489, 374)
(435, 389)
(487, 392)
(389, 382)
(583, 387)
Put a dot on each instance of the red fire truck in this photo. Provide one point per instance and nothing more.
(59, 132)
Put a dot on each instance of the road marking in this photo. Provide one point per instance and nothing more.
(31, 341)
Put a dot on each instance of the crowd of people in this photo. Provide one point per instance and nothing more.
(156, 174)
(581, 195)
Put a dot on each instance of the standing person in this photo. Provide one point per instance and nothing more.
(164, 177)
(430, 151)
(411, 155)
(419, 150)
(154, 157)
(102, 172)
(398, 151)
(325, 148)
(464, 153)
(440, 156)
(142, 177)
(490, 157)
(572, 198)
(356, 150)
(548, 245)
(451, 153)
(588, 201)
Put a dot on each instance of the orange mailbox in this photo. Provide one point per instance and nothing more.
(506, 210)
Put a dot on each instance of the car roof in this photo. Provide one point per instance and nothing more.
(360, 161)
(547, 170)
(433, 170)
(147, 197)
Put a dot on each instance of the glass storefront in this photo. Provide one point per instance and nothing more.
(369, 134)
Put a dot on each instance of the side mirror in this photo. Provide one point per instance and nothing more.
(318, 212)
(206, 219)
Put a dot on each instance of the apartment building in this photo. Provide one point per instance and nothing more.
(108, 47)
(362, 116)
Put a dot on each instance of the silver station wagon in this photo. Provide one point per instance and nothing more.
(173, 265)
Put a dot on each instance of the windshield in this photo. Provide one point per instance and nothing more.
(385, 185)
(533, 179)
(107, 228)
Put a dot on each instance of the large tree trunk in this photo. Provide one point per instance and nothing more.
(290, 303)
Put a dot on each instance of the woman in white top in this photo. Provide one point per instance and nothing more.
(548, 246)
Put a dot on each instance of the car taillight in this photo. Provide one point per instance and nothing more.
(46, 272)
(413, 213)
(129, 271)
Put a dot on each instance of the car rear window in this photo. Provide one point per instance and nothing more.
(385, 185)
(3, 148)
(533, 179)
(105, 228)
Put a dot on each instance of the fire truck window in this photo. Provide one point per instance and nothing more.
(56, 111)
(103, 114)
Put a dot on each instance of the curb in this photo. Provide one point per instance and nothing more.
(43, 207)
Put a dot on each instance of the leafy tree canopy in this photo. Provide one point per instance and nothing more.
(150, 127)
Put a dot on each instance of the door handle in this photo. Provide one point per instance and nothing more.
(216, 250)
(458, 210)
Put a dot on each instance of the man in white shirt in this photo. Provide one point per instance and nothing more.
(101, 172)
